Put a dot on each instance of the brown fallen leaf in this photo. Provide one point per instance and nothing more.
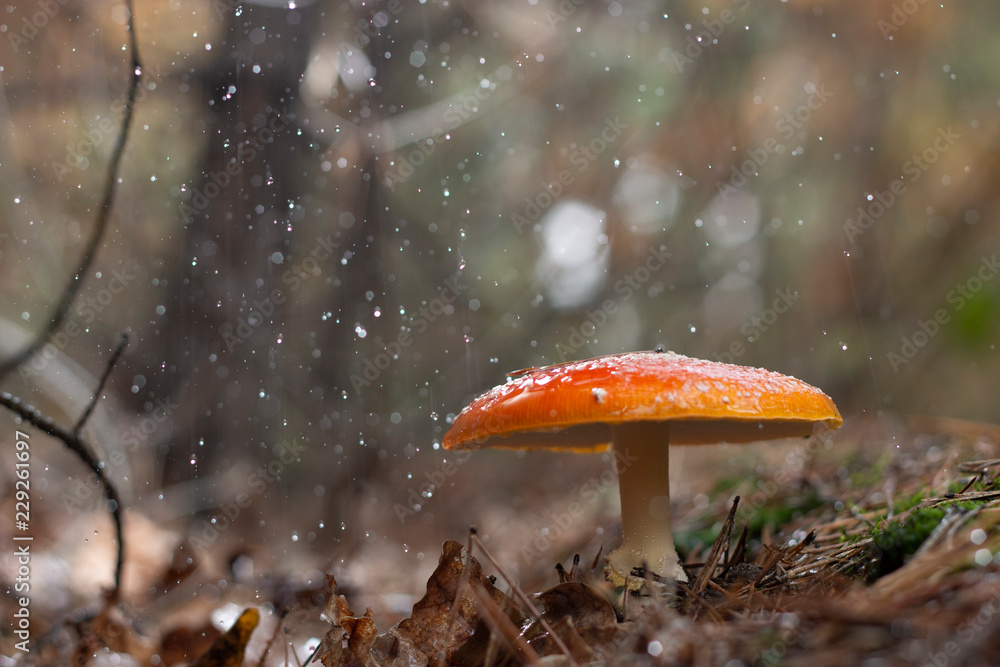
(111, 630)
(582, 603)
(228, 650)
(500, 626)
(579, 649)
(359, 632)
(583, 618)
(185, 644)
(436, 625)
(183, 563)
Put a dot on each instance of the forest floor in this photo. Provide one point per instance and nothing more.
(878, 545)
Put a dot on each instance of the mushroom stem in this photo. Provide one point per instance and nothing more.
(642, 458)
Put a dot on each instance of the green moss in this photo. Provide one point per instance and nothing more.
(894, 541)
(987, 485)
(726, 484)
(956, 486)
(978, 485)
(977, 321)
(907, 503)
(781, 512)
(687, 541)
(868, 474)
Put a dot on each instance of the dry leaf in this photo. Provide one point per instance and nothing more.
(359, 633)
(110, 631)
(228, 650)
(582, 603)
(182, 564)
(577, 645)
(185, 644)
(583, 618)
(433, 627)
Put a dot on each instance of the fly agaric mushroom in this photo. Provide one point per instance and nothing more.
(640, 402)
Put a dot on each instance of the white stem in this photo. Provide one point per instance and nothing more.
(642, 457)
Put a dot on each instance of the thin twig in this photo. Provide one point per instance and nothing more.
(794, 551)
(78, 446)
(978, 466)
(970, 483)
(733, 599)
(739, 553)
(523, 599)
(100, 385)
(103, 213)
(274, 636)
(709, 609)
(460, 590)
(492, 650)
(31, 414)
(721, 542)
(501, 625)
(772, 558)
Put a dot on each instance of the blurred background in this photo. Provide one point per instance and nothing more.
(337, 222)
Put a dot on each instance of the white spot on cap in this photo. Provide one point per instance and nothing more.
(599, 394)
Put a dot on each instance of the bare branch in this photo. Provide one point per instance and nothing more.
(100, 385)
(72, 439)
(103, 213)
(78, 446)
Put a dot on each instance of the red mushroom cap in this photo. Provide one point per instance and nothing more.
(574, 405)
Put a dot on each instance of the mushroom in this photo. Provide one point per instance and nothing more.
(641, 402)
